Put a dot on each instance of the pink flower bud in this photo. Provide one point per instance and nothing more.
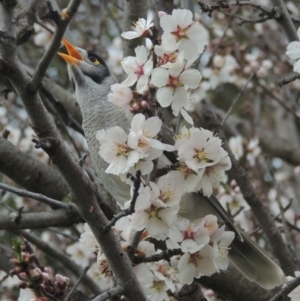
(297, 170)
(161, 14)
(135, 106)
(62, 281)
(144, 104)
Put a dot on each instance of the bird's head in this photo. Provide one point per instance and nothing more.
(85, 68)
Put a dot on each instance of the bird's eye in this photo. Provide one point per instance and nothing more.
(94, 60)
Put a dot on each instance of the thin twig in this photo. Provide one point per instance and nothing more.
(130, 210)
(286, 289)
(288, 80)
(237, 97)
(37, 196)
(77, 283)
(66, 16)
(115, 292)
(166, 255)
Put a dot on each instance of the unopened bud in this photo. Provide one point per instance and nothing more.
(161, 14)
(15, 261)
(62, 281)
(36, 275)
(144, 104)
(23, 275)
(135, 106)
(297, 170)
(46, 277)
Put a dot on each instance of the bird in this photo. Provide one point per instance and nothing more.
(92, 80)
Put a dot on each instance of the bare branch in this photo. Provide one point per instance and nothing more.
(288, 80)
(43, 178)
(286, 289)
(66, 16)
(114, 292)
(191, 292)
(77, 283)
(39, 197)
(238, 96)
(55, 218)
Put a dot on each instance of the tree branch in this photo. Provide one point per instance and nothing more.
(114, 292)
(40, 72)
(39, 197)
(55, 218)
(286, 289)
(285, 21)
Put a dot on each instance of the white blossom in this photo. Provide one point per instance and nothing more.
(236, 146)
(88, 240)
(172, 87)
(221, 241)
(139, 28)
(116, 150)
(213, 175)
(180, 32)
(138, 69)
(188, 234)
(156, 207)
(155, 288)
(293, 51)
(201, 150)
(196, 265)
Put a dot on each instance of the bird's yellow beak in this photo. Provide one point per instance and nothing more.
(74, 56)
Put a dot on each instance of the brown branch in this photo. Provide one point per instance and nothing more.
(40, 72)
(55, 218)
(39, 197)
(191, 292)
(285, 21)
(111, 294)
(286, 289)
(30, 173)
(288, 80)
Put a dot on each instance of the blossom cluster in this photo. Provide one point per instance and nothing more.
(201, 245)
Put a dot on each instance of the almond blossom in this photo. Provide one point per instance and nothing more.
(172, 87)
(168, 59)
(213, 175)
(116, 150)
(293, 51)
(138, 69)
(200, 263)
(180, 32)
(155, 288)
(188, 234)
(121, 95)
(139, 28)
(221, 241)
(156, 207)
(201, 150)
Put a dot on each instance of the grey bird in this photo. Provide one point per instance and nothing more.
(92, 81)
